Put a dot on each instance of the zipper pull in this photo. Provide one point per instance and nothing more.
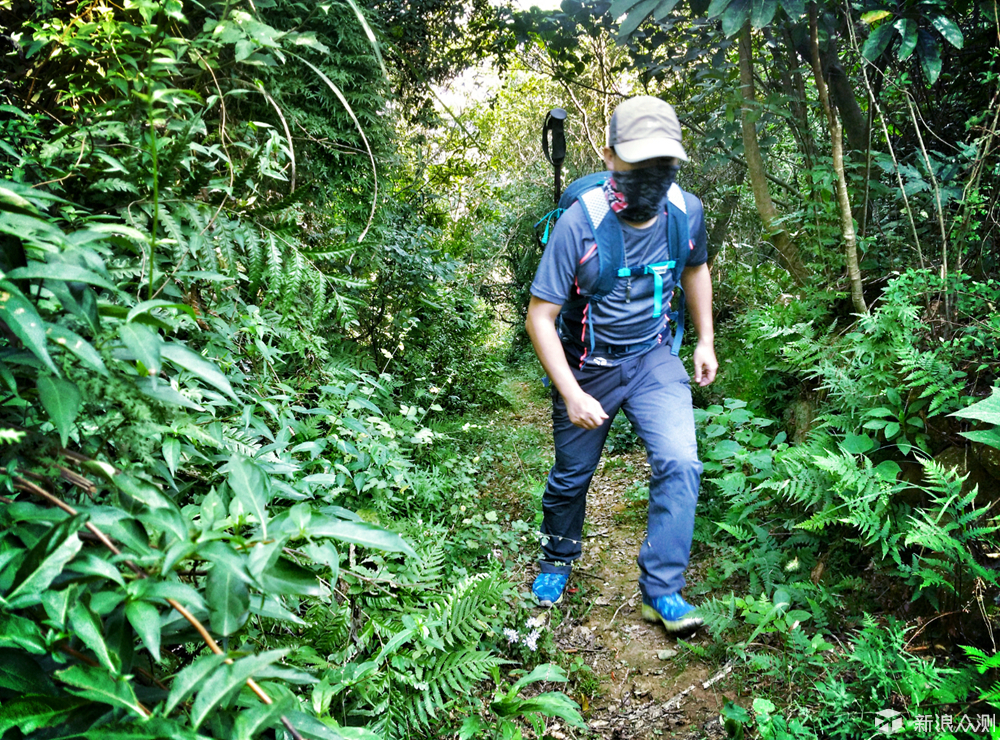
(628, 291)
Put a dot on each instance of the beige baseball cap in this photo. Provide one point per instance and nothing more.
(644, 128)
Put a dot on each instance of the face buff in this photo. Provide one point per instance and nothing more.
(635, 195)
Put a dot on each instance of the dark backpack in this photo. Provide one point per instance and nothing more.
(589, 191)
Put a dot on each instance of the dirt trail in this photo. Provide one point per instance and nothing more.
(647, 688)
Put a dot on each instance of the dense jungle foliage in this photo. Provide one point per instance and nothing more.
(264, 268)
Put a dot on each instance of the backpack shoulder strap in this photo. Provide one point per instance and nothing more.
(679, 247)
(608, 235)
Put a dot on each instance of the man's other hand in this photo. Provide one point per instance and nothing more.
(585, 411)
(705, 364)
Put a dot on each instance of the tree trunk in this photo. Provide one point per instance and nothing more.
(787, 250)
(843, 201)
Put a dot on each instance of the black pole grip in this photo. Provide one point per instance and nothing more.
(554, 123)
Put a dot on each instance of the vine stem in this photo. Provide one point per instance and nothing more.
(28, 487)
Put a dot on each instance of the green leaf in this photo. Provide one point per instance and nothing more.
(87, 627)
(251, 722)
(95, 684)
(948, 28)
(665, 8)
(360, 533)
(929, 52)
(546, 672)
(21, 674)
(22, 318)
(165, 393)
(145, 620)
(907, 28)
(190, 678)
(44, 562)
(725, 449)
(60, 271)
(31, 713)
(794, 9)
(635, 18)
(620, 7)
(987, 410)
(857, 444)
(555, 704)
(874, 16)
(146, 307)
(79, 346)
(144, 344)
(23, 634)
(61, 400)
(891, 430)
(991, 437)
(716, 7)
(762, 12)
(228, 600)
(877, 41)
(195, 363)
(172, 453)
(285, 577)
(736, 15)
(248, 483)
(226, 681)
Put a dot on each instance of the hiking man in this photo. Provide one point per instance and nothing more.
(615, 353)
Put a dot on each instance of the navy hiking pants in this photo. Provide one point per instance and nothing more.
(654, 392)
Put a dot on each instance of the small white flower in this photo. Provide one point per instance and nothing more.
(434, 389)
(512, 637)
(531, 641)
(536, 622)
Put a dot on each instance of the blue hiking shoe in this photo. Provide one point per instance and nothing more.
(548, 588)
(676, 614)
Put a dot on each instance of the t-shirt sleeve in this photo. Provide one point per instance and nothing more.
(557, 270)
(696, 227)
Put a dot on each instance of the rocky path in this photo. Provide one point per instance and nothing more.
(643, 685)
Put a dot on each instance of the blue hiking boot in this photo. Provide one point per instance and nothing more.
(548, 588)
(676, 614)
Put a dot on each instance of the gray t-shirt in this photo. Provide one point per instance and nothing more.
(623, 323)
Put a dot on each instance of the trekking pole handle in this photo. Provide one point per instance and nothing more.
(554, 125)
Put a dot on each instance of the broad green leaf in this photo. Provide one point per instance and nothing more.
(736, 15)
(874, 16)
(22, 674)
(164, 393)
(635, 17)
(144, 344)
(190, 678)
(44, 562)
(929, 52)
(620, 7)
(145, 620)
(555, 704)
(150, 589)
(172, 453)
(287, 578)
(987, 410)
(794, 9)
(251, 722)
(147, 306)
(907, 28)
(228, 600)
(60, 271)
(192, 361)
(948, 28)
(22, 318)
(79, 346)
(312, 728)
(360, 533)
(61, 400)
(88, 628)
(991, 437)
(546, 672)
(31, 713)
(762, 12)
(247, 481)
(269, 606)
(665, 8)
(96, 684)
(21, 633)
(857, 444)
(725, 449)
(877, 41)
(716, 7)
(142, 492)
(226, 681)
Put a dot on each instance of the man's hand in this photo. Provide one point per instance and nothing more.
(705, 364)
(585, 411)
